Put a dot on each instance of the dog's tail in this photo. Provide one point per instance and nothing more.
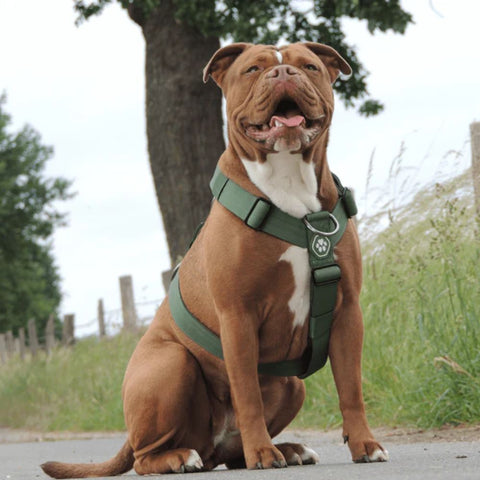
(121, 463)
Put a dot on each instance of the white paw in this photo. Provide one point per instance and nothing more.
(378, 456)
(194, 462)
(309, 456)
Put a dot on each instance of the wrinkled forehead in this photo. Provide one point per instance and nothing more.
(266, 53)
(269, 56)
(297, 53)
(258, 53)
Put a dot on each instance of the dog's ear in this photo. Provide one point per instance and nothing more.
(222, 59)
(335, 63)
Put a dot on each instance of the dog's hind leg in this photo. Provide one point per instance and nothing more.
(283, 398)
(179, 460)
(298, 454)
(166, 407)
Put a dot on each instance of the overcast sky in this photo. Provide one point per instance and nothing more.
(82, 88)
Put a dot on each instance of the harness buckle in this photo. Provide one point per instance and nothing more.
(326, 275)
(258, 213)
(349, 203)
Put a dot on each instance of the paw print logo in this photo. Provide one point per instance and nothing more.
(320, 246)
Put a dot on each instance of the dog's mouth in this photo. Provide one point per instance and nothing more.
(287, 128)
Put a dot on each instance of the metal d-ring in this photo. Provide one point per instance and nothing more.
(327, 234)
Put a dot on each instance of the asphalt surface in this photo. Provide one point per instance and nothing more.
(422, 461)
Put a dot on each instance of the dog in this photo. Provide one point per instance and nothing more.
(187, 409)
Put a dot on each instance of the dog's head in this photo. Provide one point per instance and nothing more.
(277, 98)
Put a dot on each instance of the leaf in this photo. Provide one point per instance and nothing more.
(29, 281)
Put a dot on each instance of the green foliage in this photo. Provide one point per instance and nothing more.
(370, 108)
(75, 389)
(29, 282)
(271, 21)
(88, 9)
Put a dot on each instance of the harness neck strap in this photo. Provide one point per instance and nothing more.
(260, 214)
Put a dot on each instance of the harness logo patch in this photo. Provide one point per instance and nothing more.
(320, 246)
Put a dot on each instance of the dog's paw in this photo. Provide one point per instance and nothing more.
(186, 463)
(377, 456)
(367, 451)
(298, 454)
(265, 457)
(180, 460)
(193, 463)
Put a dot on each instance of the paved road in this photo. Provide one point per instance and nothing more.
(422, 461)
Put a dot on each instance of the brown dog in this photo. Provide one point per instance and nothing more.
(187, 410)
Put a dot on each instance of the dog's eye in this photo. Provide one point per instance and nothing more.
(253, 68)
(312, 67)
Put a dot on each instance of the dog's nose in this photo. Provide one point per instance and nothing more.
(282, 72)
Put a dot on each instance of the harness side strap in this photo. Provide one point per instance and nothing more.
(208, 340)
(190, 325)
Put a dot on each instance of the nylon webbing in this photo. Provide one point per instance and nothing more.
(260, 214)
(318, 232)
(199, 333)
(257, 212)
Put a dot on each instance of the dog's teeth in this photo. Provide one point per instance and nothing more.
(278, 123)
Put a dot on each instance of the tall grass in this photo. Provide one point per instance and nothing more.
(76, 389)
(421, 304)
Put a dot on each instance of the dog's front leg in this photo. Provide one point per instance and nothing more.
(239, 338)
(345, 353)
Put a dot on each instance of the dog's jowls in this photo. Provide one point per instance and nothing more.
(186, 410)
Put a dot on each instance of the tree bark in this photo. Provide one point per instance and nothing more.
(184, 123)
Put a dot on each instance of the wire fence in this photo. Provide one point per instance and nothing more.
(113, 319)
(131, 316)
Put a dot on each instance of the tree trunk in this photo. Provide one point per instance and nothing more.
(184, 123)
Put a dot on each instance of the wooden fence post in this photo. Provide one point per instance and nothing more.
(21, 342)
(50, 334)
(475, 142)
(32, 337)
(10, 344)
(101, 319)
(128, 303)
(68, 331)
(16, 346)
(3, 349)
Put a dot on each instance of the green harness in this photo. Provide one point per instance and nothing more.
(318, 232)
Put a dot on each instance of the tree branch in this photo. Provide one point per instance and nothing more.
(137, 14)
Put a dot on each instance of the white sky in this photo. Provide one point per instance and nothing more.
(82, 88)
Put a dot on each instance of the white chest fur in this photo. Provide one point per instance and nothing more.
(299, 303)
(288, 181)
(291, 185)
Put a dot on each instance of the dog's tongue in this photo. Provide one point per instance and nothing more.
(293, 121)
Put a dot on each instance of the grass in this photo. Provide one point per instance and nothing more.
(75, 389)
(422, 308)
(421, 304)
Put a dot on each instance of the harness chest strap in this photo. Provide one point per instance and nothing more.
(315, 233)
